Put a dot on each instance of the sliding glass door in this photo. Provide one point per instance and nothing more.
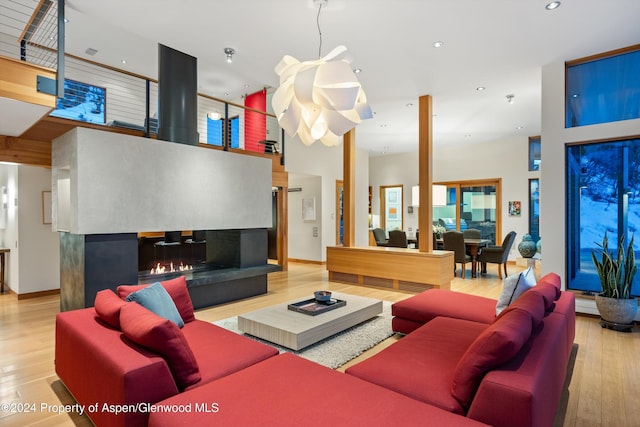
(471, 204)
(603, 195)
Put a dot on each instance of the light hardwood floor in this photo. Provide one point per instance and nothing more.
(604, 387)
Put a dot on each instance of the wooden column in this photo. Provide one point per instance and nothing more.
(283, 228)
(349, 179)
(425, 177)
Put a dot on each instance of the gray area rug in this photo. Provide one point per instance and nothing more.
(338, 349)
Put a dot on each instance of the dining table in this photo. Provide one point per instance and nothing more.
(474, 246)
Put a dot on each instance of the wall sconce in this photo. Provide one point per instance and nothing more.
(438, 195)
(5, 197)
(214, 115)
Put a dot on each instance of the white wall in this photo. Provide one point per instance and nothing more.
(305, 235)
(9, 234)
(395, 169)
(506, 159)
(552, 180)
(124, 184)
(39, 246)
(33, 262)
(325, 162)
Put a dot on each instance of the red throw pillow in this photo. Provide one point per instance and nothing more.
(177, 289)
(500, 342)
(165, 338)
(533, 303)
(548, 293)
(107, 306)
(554, 280)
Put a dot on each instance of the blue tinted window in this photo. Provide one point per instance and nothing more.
(603, 90)
(603, 195)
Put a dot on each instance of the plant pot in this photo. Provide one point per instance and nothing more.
(617, 311)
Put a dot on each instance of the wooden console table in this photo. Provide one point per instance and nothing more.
(394, 268)
(3, 251)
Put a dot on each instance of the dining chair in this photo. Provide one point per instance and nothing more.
(471, 233)
(397, 239)
(379, 236)
(454, 241)
(497, 254)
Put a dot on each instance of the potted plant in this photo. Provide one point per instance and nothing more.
(616, 306)
(439, 230)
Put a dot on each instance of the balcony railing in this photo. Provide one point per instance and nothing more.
(29, 31)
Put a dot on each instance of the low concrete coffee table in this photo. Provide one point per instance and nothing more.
(295, 330)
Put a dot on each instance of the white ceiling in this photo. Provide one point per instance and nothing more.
(498, 44)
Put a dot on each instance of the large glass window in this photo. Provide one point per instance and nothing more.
(603, 195)
(471, 204)
(535, 153)
(478, 210)
(534, 209)
(603, 90)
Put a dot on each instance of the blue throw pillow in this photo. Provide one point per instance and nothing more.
(155, 298)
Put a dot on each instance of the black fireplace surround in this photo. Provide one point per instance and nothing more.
(235, 267)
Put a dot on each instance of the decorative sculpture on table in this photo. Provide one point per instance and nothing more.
(527, 246)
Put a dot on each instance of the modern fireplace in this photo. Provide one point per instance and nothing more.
(108, 187)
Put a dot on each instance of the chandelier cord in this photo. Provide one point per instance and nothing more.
(319, 31)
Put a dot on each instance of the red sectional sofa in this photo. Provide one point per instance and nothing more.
(450, 371)
(287, 390)
(99, 364)
(503, 371)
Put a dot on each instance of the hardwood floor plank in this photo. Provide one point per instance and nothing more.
(602, 391)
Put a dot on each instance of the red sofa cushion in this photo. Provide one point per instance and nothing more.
(107, 305)
(287, 390)
(220, 352)
(496, 345)
(177, 289)
(421, 364)
(164, 337)
(429, 304)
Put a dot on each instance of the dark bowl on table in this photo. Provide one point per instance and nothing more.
(322, 295)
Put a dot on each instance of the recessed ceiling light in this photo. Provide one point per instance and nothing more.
(383, 125)
(124, 61)
(575, 95)
(438, 43)
(91, 51)
(553, 5)
(357, 70)
(480, 88)
(226, 94)
(66, 20)
(409, 105)
(519, 128)
(467, 135)
(246, 85)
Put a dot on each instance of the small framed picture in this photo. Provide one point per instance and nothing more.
(514, 208)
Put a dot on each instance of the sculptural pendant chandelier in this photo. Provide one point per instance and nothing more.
(321, 99)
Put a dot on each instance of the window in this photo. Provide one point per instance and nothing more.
(603, 90)
(535, 150)
(534, 209)
(603, 195)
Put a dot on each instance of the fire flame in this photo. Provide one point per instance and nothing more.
(162, 269)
